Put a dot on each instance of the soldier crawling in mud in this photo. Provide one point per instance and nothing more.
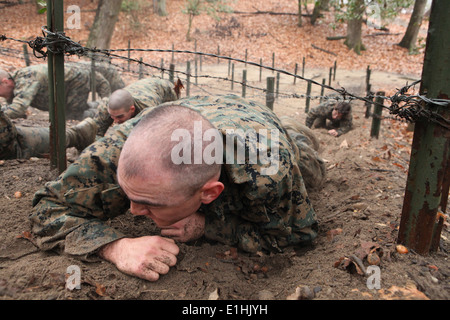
(338, 115)
(237, 203)
(20, 142)
(126, 103)
(28, 87)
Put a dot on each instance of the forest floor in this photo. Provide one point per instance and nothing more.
(358, 208)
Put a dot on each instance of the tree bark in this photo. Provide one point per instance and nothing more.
(104, 22)
(299, 23)
(160, 7)
(316, 11)
(409, 39)
(354, 28)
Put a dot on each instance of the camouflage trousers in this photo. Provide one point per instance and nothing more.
(311, 164)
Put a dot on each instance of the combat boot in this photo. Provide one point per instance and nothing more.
(81, 135)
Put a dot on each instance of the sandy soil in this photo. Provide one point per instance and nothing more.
(358, 209)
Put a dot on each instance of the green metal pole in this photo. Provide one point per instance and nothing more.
(270, 96)
(244, 82)
(57, 114)
(430, 146)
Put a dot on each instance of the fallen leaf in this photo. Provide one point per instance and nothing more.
(401, 249)
(100, 290)
(214, 295)
(410, 292)
(26, 235)
(332, 233)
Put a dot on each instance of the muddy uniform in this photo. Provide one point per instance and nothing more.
(108, 71)
(254, 211)
(148, 92)
(31, 90)
(20, 142)
(319, 115)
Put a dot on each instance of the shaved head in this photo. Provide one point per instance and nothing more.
(120, 99)
(4, 74)
(148, 150)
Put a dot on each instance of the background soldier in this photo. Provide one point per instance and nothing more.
(28, 87)
(128, 102)
(339, 116)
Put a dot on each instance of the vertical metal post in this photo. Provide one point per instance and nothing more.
(308, 96)
(172, 73)
(93, 79)
(188, 79)
(270, 96)
(295, 72)
(57, 111)
(244, 82)
(232, 76)
(430, 146)
(322, 90)
(141, 69)
(376, 117)
(26, 55)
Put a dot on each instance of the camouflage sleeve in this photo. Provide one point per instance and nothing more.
(102, 86)
(70, 213)
(102, 118)
(25, 90)
(345, 125)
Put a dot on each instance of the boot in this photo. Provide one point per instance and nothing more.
(81, 135)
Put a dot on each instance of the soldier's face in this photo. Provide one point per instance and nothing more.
(336, 115)
(155, 199)
(121, 115)
(6, 88)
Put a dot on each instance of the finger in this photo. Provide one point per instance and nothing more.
(168, 259)
(148, 274)
(157, 266)
(169, 246)
(171, 232)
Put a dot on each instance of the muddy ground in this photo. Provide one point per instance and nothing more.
(358, 209)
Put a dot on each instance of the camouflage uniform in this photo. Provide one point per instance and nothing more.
(19, 142)
(319, 115)
(148, 92)
(31, 90)
(254, 211)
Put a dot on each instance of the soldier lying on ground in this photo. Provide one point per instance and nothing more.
(20, 142)
(126, 103)
(339, 116)
(110, 72)
(251, 204)
(28, 87)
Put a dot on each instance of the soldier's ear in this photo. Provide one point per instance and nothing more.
(211, 191)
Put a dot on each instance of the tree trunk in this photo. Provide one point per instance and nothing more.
(299, 23)
(354, 28)
(410, 37)
(316, 11)
(104, 22)
(160, 7)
